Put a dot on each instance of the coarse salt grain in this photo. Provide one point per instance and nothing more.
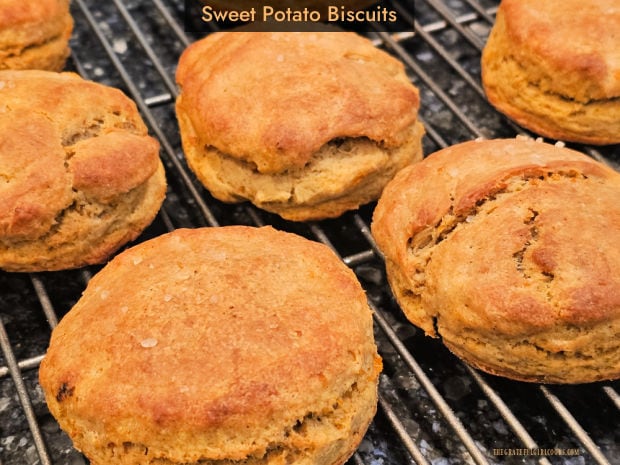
(148, 342)
(104, 294)
(119, 46)
(124, 309)
(137, 260)
(167, 298)
(560, 144)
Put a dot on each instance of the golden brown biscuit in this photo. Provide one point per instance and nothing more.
(216, 345)
(34, 34)
(80, 175)
(509, 251)
(554, 67)
(306, 125)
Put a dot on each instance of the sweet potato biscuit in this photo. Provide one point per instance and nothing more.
(306, 125)
(79, 174)
(554, 67)
(34, 34)
(232, 345)
(509, 251)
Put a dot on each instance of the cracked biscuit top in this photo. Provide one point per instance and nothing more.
(34, 34)
(274, 99)
(79, 175)
(510, 251)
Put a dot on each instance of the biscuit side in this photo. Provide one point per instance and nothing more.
(344, 174)
(329, 436)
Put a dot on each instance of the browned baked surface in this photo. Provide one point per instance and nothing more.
(509, 251)
(80, 175)
(34, 34)
(554, 67)
(306, 125)
(216, 345)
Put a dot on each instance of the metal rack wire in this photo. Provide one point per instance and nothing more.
(433, 409)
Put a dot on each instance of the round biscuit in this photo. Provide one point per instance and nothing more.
(80, 174)
(212, 345)
(508, 250)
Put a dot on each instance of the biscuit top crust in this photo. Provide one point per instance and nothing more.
(14, 12)
(574, 44)
(230, 333)
(511, 235)
(32, 22)
(273, 99)
(59, 134)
